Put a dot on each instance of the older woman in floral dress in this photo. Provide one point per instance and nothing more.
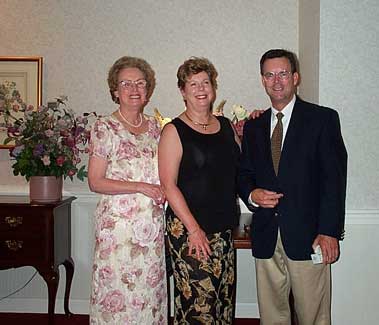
(129, 277)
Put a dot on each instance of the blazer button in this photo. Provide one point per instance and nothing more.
(276, 214)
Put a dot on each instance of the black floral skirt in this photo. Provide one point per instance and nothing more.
(203, 290)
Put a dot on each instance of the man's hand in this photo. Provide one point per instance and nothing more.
(265, 198)
(329, 248)
(256, 113)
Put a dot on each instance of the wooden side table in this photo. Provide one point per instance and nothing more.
(38, 235)
(241, 234)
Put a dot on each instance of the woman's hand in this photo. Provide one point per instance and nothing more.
(198, 242)
(153, 191)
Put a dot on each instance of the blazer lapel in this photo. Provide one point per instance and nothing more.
(290, 148)
(265, 134)
(264, 140)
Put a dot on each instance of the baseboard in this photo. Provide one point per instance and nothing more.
(17, 305)
(247, 310)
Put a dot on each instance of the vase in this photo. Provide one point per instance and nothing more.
(45, 189)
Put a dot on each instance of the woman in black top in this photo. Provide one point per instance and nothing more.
(197, 158)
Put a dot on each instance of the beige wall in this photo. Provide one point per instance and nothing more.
(309, 49)
(349, 70)
(80, 40)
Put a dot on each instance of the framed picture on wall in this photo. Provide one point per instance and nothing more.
(21, 75)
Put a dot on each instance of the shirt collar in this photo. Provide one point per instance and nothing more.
(287, 110)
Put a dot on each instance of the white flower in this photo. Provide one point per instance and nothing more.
(239, 112)
(46, 160)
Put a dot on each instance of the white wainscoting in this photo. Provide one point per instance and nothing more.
(355, 285)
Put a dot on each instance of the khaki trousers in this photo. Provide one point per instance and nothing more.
(310, 285)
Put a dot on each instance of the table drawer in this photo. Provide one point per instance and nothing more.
(22, 222)
(23, 248)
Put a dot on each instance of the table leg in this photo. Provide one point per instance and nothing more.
(69, 266)
(52, 280)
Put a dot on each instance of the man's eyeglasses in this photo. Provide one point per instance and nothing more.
(282, 75)
(128, 84)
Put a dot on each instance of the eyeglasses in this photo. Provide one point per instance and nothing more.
(282, 75)
(128, 84)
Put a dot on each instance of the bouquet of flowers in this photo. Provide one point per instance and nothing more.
(239, 116)
(48, 140)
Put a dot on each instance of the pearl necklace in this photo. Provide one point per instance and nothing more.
(203, 125)
(131, 124)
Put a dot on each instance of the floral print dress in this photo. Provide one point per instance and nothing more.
(129, 276)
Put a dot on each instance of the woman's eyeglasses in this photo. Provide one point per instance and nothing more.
(129, 84)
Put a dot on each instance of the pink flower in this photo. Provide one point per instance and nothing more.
(49, 133)
(61, 122)
(130, 275)
(107, 222)
(137, 302)
(70, 141)
(106, 275)
(148, 152)
(71, 172)
(145, 232)
(60, 160)
(155, 131)
(107, 243)
(128, 207)
(113, 302)
(154, 275)
(127, 150)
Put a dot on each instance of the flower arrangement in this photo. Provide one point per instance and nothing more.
(239, 116)
(49, 140)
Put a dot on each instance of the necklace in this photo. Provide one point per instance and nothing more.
(203, 125)
(131, 124)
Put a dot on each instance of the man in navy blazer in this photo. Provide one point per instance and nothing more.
(299, 207)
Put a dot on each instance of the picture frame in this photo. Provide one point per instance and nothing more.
(26, 73)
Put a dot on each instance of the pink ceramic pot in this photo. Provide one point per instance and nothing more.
(45, 189)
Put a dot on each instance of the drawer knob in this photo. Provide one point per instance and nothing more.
(14, 245)
(13, 221)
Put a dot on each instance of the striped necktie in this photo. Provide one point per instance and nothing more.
(276, 142)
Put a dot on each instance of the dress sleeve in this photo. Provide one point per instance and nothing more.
(101, 140)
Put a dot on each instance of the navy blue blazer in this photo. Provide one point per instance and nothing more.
(312, 177)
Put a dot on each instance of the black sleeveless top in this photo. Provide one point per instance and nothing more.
(207, 175)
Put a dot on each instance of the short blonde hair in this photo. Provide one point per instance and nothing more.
(195, 65)
(130, 62)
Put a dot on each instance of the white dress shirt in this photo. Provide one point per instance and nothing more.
(287, 112)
